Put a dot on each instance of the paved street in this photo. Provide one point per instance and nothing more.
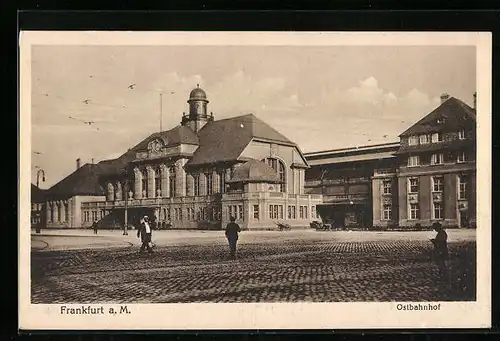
(304, 265)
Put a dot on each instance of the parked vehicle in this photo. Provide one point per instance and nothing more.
(283, 227)
(320, 226)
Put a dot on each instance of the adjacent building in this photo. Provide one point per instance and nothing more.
(428, 176)
(196, 175)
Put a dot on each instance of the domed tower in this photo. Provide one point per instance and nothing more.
(198, 116)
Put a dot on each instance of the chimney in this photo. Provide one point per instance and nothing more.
(92, 161)
(444, 98)
(475, 100)
(77, 163)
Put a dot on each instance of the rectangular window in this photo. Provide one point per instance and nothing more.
(461, 156)
(438, 210)
(437, 137)
(222, 182)
(291, 212)
(209, 183)
(437, 159)
(413, 140)
(387, 212)
(230, 211)
(414, 212)
(424, 139)
(240, 212)
(313, 212)
(461, 134)
(256, 212)
(180, 213)
(413, 185)
(462, 187)
(413, 161)
(303, 212)
(387, 186)
(171, 183)
(281, 211)
(437, 184)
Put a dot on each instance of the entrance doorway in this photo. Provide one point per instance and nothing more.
(463, 219)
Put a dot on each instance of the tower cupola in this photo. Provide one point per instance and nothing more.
(198, 114)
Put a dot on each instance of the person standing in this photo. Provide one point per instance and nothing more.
(232, 230)
(144, 232)
(94, 226)
(440, 248)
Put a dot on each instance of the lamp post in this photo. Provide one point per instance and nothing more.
(38, 173)
(125, 227)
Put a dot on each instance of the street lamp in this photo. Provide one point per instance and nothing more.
(125, 227)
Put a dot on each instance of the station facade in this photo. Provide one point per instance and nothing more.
(196, 175)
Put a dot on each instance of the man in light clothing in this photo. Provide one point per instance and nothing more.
(144, 232)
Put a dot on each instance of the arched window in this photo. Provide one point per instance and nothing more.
(158, 182)
(279, 167)
(144, 177)
(171, 181)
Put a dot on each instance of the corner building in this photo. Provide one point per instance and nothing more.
(202, 172)
(428, 176)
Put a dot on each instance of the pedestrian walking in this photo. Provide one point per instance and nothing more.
(440, 249)
(232, 230)
(144, 232)
(94, 226)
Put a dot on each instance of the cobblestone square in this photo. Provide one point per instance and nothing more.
(271, 267)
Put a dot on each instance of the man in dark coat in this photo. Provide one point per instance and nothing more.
(144, 231)
(94, 226)
(440, 247)
(232, 230)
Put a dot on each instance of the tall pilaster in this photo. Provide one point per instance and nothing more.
(110, 192)
(151, 182)
(137, 183)
(56, 211)
(189, 185)
(62, 218)
(180, 186)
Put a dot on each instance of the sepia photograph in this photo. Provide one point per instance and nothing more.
(314, 174)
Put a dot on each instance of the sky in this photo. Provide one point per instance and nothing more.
(320, 97)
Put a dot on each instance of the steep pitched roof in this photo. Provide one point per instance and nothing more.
(225, 140)
(37, 194)
(116, 166)
(254, 171)
(456, 115)
(83, 181)
(174, 136)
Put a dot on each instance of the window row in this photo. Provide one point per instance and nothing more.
(176, 214)
(91, 216)
(414, 211)
(436, 159)
(58, 213)
(423, 139)
(438, 185)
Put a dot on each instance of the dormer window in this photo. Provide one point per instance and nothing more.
(440, 120)
(461, 134)
(413, 140)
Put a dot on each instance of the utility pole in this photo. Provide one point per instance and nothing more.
(161, 111)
